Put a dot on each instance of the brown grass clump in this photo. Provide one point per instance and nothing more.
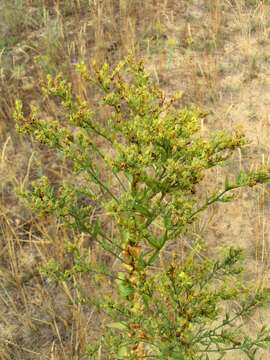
(216, 51)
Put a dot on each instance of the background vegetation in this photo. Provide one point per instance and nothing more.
(215, 51)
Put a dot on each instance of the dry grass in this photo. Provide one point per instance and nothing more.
(216, 51)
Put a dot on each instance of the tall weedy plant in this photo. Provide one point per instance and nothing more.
(153, 157)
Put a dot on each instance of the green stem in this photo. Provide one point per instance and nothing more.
(103, 158)
(101, 184)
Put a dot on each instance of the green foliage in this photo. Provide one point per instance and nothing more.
(177, 313)
(153, 157)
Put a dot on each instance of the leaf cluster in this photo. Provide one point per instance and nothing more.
(154, 158)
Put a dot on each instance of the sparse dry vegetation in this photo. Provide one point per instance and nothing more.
(217, 53)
